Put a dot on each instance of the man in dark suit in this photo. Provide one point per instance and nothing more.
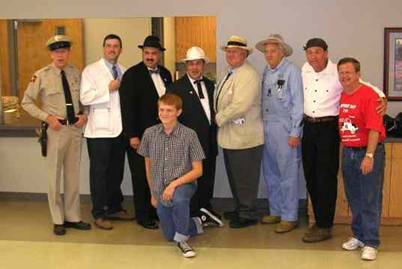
(196, 92)
(140, 88)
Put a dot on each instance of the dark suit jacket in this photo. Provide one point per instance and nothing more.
(138, 99)
(193, 115)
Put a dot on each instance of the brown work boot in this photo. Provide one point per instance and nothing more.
(317, 234)
(311, 230)
(120, 215)
(285, 226)
(103, 224)
(268, 219)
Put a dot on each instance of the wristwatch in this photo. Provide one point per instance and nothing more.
(370, 155)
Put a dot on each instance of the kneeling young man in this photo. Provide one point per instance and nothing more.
(173, 161)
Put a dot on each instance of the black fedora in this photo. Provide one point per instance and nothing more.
(153, 42)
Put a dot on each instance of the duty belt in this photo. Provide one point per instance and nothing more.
(66, 122)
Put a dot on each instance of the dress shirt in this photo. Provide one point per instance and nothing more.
(221, 83)
(322, 90)
(158, 82)
(204, 101)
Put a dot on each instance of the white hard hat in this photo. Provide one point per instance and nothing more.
(195, 53)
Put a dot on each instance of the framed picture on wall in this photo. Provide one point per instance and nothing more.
(393, 63)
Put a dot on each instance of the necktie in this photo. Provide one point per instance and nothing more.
(199, 88)
(220, 89)
(114, 72)
(69, 102)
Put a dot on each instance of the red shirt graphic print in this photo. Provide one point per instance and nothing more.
(358, 115)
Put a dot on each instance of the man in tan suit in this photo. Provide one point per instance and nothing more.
(240, 134)
(57, 87)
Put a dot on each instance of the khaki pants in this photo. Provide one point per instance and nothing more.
(64, 154)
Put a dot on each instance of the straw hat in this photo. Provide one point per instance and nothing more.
(237, 42)
(274, 39)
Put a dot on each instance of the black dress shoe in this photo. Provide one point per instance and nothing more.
(148, 224)
(238, 223)
(58, 229)
(229, 215)
(80, 225)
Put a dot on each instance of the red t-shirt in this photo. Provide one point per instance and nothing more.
(357, 116)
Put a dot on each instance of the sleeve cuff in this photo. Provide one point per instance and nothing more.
(296, 132)
(218, 120)
(43, 116)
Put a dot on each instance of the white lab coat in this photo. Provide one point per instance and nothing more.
(104, 118)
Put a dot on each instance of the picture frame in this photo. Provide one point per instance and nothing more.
(393, 63)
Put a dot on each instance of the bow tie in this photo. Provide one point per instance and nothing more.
(198, 81)
(155, 71)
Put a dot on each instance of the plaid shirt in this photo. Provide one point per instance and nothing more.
(171, 155)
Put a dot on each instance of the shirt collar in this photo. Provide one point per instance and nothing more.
(154, 69)
(58, 70)
(109, 64)
(283, 62)
(175, 132)
(192, 80)
(233, 70)
(329, 69)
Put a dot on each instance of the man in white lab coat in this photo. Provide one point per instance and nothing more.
(99, 90)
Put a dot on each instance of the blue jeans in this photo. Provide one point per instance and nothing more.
(364, 193)
(175, 220)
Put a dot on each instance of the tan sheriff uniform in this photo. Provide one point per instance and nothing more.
(64, 145)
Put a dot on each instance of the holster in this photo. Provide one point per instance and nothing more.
(43, 138)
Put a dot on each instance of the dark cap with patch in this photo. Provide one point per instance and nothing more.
(58, 42)
(316, 42)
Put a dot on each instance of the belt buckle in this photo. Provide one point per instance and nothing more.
(309, 119)
(313, 119)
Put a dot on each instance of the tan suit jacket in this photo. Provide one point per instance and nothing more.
(238, 109)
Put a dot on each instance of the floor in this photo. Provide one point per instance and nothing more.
(26, 241)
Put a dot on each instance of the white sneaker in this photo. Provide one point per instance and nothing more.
(186, 249)
(352, 244)
(369, 253)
